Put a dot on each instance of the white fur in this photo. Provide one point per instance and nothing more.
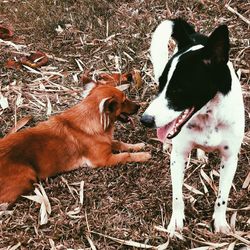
(87, 88)
(104, 118)
(227, 115)
(220, 128)
(101, 104)
(159, 47)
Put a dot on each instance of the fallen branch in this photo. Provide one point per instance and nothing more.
(238, 14)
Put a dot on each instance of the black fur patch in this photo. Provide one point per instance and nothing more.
(199, 74)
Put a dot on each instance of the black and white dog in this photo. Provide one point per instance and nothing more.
(199, 105)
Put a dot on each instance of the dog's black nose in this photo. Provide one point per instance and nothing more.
(148, 121)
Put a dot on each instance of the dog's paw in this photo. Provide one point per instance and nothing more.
(143, 156)
(175, 224)
(138, 146)
(146, 156)
(140, 156)
(220, 225)
(201, 156)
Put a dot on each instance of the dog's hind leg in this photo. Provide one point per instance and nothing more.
(177, 166)
(15, 182)
(122, 146)
(227, 171)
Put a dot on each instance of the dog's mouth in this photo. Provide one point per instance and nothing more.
(123, 117)
(173, 128)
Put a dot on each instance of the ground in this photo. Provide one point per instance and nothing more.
(127, 202)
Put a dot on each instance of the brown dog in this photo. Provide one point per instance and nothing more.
(81, 135)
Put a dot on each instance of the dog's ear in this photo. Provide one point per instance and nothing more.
(123, 87)
(181, 32)
(87, 88)
(217, 47)
(108, 104)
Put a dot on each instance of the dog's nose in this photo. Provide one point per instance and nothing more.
(148, 121)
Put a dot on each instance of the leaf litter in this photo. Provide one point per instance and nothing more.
(127, 202)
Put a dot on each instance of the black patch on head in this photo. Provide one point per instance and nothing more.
(226, 147)
(218, 204)
(223, 202)
(199, 74)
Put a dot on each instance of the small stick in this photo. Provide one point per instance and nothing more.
(238, 14)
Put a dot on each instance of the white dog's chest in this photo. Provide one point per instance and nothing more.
(206, 132)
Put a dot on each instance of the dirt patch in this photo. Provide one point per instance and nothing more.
(128, 201)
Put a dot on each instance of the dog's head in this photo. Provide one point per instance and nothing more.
(112, 104)
(191, 78)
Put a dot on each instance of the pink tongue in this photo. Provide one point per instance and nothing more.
(162, 133)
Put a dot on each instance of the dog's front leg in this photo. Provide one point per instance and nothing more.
(227, 171)
(122, 146)
(177, 166)
(125, 157)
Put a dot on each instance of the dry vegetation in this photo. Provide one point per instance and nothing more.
(128, 202)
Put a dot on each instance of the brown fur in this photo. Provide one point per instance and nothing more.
(65, 142)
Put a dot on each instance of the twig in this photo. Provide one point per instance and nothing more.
(238, 14)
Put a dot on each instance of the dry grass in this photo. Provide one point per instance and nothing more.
(129, 202)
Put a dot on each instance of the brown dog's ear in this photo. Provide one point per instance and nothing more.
(107, 106)
(123, 87)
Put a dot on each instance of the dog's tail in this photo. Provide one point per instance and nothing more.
(179, 30)
(159, 47)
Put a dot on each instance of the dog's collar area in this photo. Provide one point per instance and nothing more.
(173, 128)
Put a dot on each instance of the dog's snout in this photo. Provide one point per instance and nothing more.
(137, 106)
(148, 121)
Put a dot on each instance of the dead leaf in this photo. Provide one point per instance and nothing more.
(41, 198)
(21, 123)
(6, 32)
(81, 192)
(49, 107)
(247, 181)
(208, 180)
(35, 60)
(3, 101)
(11, 64)
(137, 78)
(15, 246)
(91, 243)
(130, 243)
(233, 221)
(192, 189)
(231, 246)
